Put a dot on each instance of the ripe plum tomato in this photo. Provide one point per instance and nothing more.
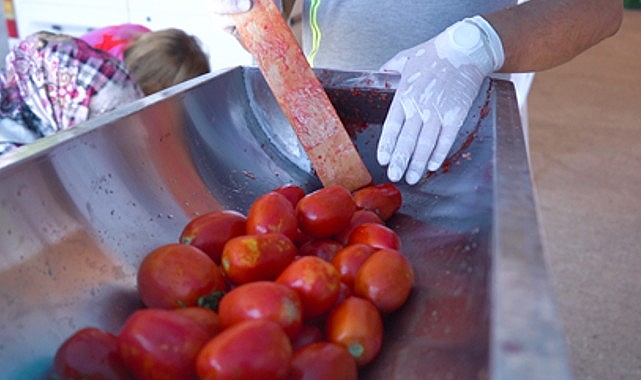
(308, 334)
(161, 344)
(323, 248)
(206, 317)
(302, 238)
(383, 199)
(325, 212)
(344, 293)
(272, 212)
(316, 281)
(349, 260)
(359, 217)
(322, 361)
(386, 278)
(375, 235)
(177, 275)
(263, 300)
(210, 231)
(257, 349)
(357, 325)
(293, 193)
(257, 257)
(90, 353)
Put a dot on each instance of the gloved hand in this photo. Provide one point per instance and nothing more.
(223, 9)
(439, 81)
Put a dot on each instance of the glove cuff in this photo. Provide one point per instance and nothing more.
(492, 41)
(476, 38)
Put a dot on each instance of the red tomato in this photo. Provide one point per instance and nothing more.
(177, 275)
(206, 317)
(257, 257)
(323, 361)
(375, 235)
(293, 193)
(211, 231)
(386, 278)
(263, 300)
(90, 353)
(308, 334)
(357, 325)
(344, 293)
(302, 238)
(325, 248)
(258, 349)
(349, 260)
(325, 212)
(383, 199)
(161, 344)
(359, 217)
(316, 281)
(272, 212)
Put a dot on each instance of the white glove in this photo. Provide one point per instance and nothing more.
(222, 10)
(439, 81)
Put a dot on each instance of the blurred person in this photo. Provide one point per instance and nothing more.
(443, 51)
(115, 39)
(156, 59)
(53, 82)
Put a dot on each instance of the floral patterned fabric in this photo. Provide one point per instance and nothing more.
(53, 82)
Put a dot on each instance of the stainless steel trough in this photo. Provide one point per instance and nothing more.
(80, 209)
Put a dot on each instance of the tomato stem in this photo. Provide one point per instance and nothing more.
(211, 300)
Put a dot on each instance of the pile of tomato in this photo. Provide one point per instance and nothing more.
(295, 289)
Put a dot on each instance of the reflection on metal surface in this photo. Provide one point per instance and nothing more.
(527, 338)
(79, 210)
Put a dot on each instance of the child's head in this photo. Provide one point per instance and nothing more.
(163, 58)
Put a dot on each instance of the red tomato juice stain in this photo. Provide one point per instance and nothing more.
(455, 157)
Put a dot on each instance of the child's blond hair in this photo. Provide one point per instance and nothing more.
(163, 58)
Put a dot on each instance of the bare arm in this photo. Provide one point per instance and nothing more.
(541, 34)
(287, 7)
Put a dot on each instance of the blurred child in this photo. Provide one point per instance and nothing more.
(52, 82)
(115, 39)
(157, 59)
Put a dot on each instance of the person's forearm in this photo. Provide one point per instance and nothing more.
(287, 6)
(541, 34)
